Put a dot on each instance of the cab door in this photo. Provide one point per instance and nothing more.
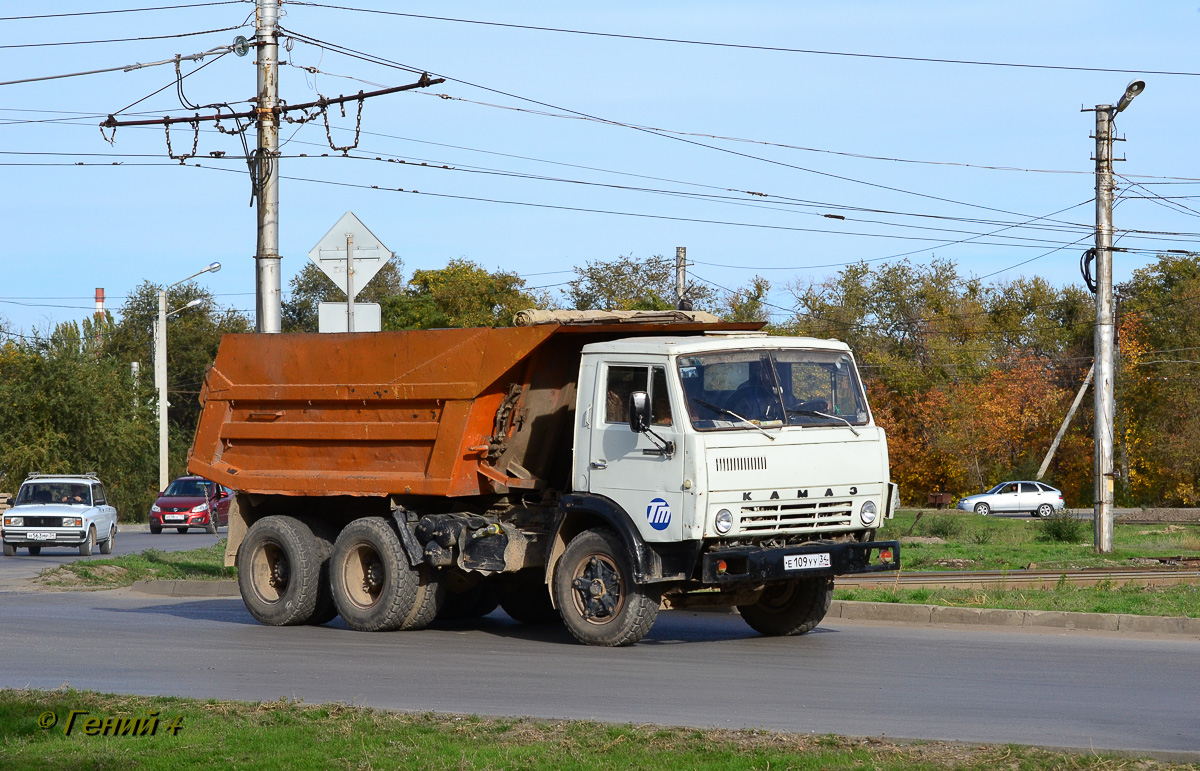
(631, 468)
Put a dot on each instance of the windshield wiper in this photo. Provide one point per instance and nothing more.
(853, 430)
(750, 423)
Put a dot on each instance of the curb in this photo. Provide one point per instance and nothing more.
(928, 615)
(186, 588)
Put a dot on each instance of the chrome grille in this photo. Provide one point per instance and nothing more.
(776, 517)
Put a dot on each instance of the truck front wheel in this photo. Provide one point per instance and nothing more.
(374, 587)
(279, 571)
(595, 592)
(790, 608)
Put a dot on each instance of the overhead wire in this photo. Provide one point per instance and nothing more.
(122, 40)
(336, 48)
(715, 44)
(120, 10)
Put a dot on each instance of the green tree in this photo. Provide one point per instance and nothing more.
(462, 294)
(311, 287)
(67, 408)
(630, 284)
(193, 337)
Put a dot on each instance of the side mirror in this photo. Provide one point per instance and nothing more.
(639, 412)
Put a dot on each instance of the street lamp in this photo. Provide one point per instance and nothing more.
(1105, 334)
(160, 366)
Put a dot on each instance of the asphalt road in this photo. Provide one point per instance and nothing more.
(1084, 690)
(128, 542)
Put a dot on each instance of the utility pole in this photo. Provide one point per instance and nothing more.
(160, 385)
(681, 303)
(268, 281)
(1105, 403)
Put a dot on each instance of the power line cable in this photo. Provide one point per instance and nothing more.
(715, 44)
(120, 10)
(122, 40)
(381, 60)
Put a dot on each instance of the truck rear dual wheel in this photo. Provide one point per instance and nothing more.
(596, 594)
(280, 567)
(374, 587)
(789, 608)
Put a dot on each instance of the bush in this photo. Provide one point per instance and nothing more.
(981, 535)
(1063, 528)
(946, 526)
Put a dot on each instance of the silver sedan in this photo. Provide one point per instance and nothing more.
(1015, 497)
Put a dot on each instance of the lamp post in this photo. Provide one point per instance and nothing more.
(1105, 402)
(160, 366)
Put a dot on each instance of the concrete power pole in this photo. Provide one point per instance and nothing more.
(268, 282)
(160, 385)
(1105, 402)
(681, 303)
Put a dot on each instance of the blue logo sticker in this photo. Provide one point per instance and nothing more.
(658, 514)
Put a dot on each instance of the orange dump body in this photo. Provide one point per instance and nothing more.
(451, 412)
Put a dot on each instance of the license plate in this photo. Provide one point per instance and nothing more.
(806, 561)
(172, 517)
(43, 536)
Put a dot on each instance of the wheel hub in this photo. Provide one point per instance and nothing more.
(373, 578)
(598, 589)
(279, 575)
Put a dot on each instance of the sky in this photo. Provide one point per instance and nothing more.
(550, 149)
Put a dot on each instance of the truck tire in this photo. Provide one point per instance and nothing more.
(325, 610)
(279, 571)
(789, 608)
(526, 598)
(374, 587)
(476, 602)
(596, 594)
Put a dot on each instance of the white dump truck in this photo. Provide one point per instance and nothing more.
(589, 467)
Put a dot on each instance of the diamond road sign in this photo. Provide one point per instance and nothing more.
(350, 237)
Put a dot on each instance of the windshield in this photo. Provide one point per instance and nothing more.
(70, 493)
(772, 388)
(192, 488)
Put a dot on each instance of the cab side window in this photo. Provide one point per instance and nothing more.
(660, 402)
(622, 381)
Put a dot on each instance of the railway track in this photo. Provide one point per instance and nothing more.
(1022, 579)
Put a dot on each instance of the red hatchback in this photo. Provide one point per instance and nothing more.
(191, 502)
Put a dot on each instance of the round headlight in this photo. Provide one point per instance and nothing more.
(724, 521)
(867, 512)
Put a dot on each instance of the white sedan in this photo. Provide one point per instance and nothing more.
(1015, 497)
(55, 510)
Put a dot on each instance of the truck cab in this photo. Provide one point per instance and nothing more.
(748, 437)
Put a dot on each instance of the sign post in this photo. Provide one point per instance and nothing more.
(350, 255)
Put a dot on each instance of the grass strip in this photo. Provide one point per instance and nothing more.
(1182, 600)
(292, 735)
(207, 563)
(950, 540)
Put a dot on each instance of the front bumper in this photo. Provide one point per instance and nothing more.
(189, 520)
(744, 564)
(27, 536)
